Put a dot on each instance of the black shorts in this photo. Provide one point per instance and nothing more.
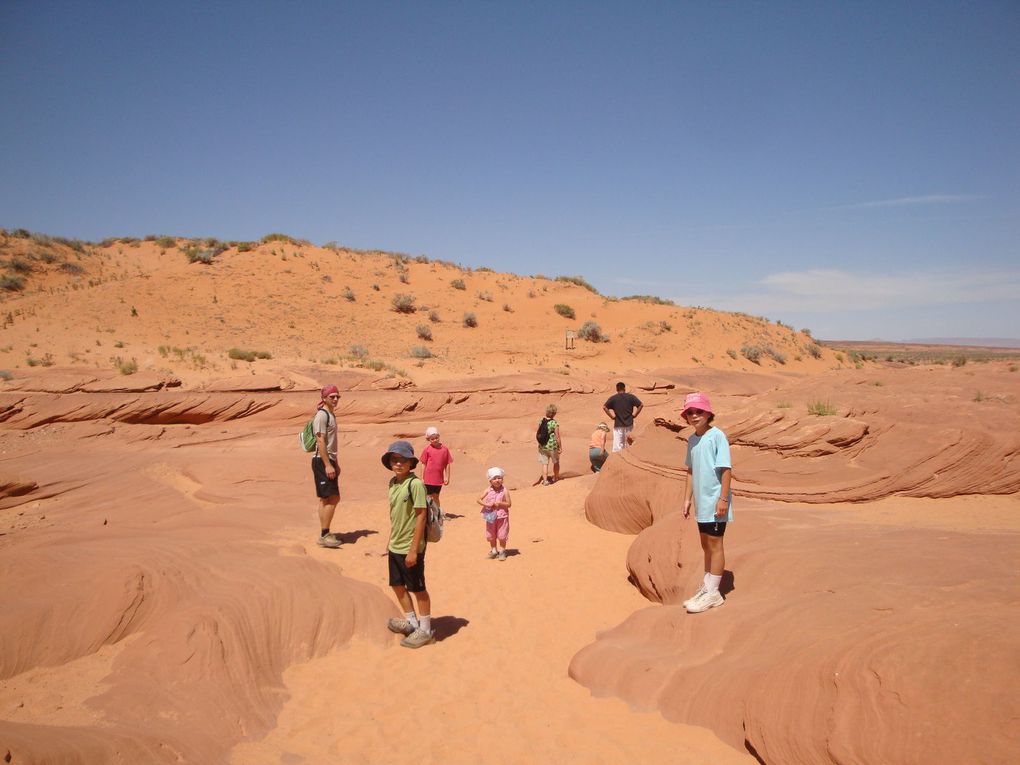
(713, 528)
(412, 579)
(323, 486)
(431, 488)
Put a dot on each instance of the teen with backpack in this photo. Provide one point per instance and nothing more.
(549, 445)
(325, 469)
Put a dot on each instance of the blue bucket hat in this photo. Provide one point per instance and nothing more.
(404, 449)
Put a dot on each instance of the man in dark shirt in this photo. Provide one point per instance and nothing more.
(623, 407)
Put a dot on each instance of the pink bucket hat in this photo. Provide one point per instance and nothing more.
(696, 401)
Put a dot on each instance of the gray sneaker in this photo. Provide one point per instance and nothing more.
(704, 602)
(418, 638)
(701, 591)
(331, 541)
(502, 554)
(400, 625)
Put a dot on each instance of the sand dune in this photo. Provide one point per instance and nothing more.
(163, 598)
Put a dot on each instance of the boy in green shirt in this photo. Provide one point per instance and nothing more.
(406, 550)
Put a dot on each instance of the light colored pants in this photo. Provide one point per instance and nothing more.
(620, 438)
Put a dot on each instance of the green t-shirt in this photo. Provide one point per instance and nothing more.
(402, 515)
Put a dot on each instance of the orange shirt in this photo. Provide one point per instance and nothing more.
(598, 439)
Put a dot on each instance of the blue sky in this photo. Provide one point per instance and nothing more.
(848, 167)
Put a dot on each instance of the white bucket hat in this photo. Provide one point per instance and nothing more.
(495, 472)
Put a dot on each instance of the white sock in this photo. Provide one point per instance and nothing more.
(713, 583)
(426, 624)
(412, 618)
(494, 548)
(704, 581)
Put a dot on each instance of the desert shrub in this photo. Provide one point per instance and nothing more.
(434, 316)
(199, 255)
(126, 367)
(752, 353)
(5, 374)
(358, 351)
(420, 352)
(12, 283)
(458, 284)
(648, 299)
(564, 310)
(806, 331)
(815, 350)
(507, 308)
(424, 331)
(375, 287)
(421, 259)
(48, 257)
(45, 361)
(778, 356)
(592, 332)
(348, 293)
(404, 278)
(487, 296)
(959, 361)
(403, 303)
(72, 268)
(531, 293)
(470, 320)
(579, 281)
(279, 238)
(731, 353)
(166, 242)
(783, 405)
(19, 266)
(979, 396)
(374, 364)
(240, 355)
(821, 409)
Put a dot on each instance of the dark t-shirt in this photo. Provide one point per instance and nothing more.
(622, 405)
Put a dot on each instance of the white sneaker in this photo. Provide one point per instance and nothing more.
(701, 591)
(704, 602)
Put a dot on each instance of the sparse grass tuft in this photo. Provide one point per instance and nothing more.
(979, 397)
(648, 299)
(359, 352)
(348, 294)
(821, 409)
(241, 355)
(470, 320)
(579, 281)
(424, 331)
(486, 296)
(564, 310)
(458, 284)
(12, 283)
(434, 316)
(420, 352)
(126, 367)
(752, 353)
(507, 308)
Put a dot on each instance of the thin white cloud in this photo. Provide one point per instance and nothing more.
(830, 291)
(926, 199)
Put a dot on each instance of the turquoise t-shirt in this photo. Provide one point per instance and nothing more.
(707, 455)
(402, 515)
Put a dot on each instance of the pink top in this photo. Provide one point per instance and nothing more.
(492, 497)
(434, 460)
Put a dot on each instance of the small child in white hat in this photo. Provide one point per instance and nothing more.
(495, 502)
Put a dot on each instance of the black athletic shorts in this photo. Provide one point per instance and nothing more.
(713, 528)
(431, 488)
(323, 486)
(413, 579)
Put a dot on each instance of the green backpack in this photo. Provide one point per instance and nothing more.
(307, 434)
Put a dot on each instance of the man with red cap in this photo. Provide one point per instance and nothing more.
(325, 468)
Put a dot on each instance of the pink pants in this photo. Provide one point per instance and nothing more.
(498, 529)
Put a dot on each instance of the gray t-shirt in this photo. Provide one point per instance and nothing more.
(326, 423)
(622, 405)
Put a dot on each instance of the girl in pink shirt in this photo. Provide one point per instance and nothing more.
(495, 502)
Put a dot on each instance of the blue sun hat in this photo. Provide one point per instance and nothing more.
(404, 449)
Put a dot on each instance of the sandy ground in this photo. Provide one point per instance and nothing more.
(163, 599)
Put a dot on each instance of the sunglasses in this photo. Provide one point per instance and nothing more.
(334, 397)
(697, 412)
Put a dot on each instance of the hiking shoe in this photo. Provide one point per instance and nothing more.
(400, 625)
(502, 555)
(492, 554)
(701, 591)
(331, 541)
(705, 601)
(546, 482)
(418, 638)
